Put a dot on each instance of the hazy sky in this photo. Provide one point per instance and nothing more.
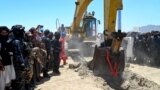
(30, 13)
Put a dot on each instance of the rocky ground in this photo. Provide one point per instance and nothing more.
(150, 73)
(80, 77)
(71, 80)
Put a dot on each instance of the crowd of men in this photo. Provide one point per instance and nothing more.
(25, 55)
(144, 48)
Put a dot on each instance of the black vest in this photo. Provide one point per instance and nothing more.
(6, 51)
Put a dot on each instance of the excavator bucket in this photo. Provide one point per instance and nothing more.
(109, 67)
(104, 64)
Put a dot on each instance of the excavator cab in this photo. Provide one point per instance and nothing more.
(90, 26)
(86, 37)
(89, 34)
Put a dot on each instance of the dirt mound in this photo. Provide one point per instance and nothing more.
(85, 73)
(150, 73)
(134, 81)
(127, 81)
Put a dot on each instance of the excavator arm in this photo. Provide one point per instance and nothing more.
(108, 60)
(113, 39)
(110, 13)
(81, 6)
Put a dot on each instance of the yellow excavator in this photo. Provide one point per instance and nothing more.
(108, 59)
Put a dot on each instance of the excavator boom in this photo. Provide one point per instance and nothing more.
(81, 6)
(111, 8)
(110, 13)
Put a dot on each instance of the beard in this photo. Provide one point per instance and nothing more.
(3, 38)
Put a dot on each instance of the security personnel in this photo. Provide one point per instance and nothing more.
(19, 58)
(29, 61)
(56, 52)
(46, 41)
(50, 36)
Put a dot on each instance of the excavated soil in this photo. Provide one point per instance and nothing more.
(135, 77)
(71, 80)
(77, 76)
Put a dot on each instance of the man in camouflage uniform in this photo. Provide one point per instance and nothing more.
(19, 58)
(29, 73)
(43, 59)
(35, 55)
